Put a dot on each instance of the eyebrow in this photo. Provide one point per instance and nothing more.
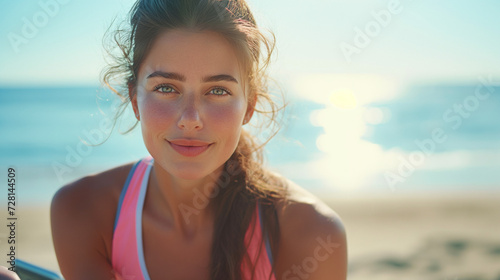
(182, 78)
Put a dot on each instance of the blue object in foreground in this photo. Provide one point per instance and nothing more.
(27, 271)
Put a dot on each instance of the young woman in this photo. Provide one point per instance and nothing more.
(201, 206)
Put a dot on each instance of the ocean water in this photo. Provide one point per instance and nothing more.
(42, 130)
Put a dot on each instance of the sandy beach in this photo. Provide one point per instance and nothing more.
(435, 237)
(395, 236)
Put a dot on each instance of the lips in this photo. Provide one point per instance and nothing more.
(189, 147)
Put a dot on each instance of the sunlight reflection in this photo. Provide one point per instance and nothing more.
(349, 162)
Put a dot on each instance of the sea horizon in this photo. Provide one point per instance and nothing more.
(44, 130)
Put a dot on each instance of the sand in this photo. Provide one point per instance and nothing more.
(395, 236)
(440, 236)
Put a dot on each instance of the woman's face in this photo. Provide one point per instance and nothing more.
(190, 87)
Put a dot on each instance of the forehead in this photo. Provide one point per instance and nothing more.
(191, 53)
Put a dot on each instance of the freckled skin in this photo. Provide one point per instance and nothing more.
(190, 111)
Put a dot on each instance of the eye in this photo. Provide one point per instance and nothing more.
(219, 91)
(164, 88)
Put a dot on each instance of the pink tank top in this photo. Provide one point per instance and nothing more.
(127, 251)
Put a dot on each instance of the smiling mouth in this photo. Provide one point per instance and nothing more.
(189, 151)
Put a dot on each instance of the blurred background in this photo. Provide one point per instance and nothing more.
(393, 120)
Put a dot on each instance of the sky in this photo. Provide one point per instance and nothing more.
(59, 42)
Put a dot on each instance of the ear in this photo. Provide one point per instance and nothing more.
(250, 109)
(133, 99)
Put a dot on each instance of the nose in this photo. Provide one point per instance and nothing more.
(190, 116)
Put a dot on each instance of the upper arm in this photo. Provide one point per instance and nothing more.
(329, 251)
(314, 245)
(76, 235)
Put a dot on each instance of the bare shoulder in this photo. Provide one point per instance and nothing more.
(313, 240)
(92, 194)
(304, 212)
(82, 216)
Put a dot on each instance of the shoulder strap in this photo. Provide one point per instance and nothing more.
(124, 191)
(265, 235)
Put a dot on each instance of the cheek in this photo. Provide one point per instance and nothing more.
(226, 118)
(219, 118)
(156, 115)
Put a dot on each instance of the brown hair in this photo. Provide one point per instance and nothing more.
(234, 205)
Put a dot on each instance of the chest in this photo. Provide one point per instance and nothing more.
(168, 255)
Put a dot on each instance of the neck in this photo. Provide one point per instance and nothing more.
(186, 203)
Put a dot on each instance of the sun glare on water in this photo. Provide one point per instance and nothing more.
(348, 162)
